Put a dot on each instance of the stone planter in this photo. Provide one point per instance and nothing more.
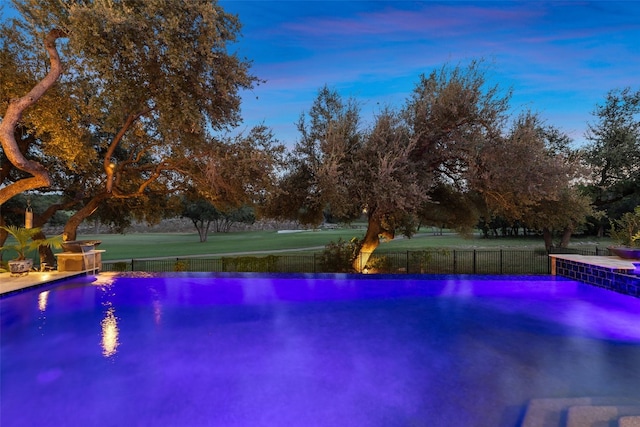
(20, 267)
(626, 253)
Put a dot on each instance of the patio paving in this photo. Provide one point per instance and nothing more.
(10, 283)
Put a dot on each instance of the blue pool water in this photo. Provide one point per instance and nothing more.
(201, 350)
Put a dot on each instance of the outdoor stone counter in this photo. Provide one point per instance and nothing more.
(80, 261)
(612, 273)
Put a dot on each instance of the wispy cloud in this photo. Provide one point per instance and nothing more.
(560, 57)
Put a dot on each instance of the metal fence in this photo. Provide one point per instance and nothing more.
(442, 261)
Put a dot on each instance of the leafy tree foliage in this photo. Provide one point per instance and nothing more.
(239, 170)
(626, 230)
(204, 214)
(456, 115)
(444, 158)
(340, 165)
(451, 208)
(232, 179)
(148, 107)
(614, 153)
(201, 213)
(528, 177)
(324, 155)
(388, 182)
(453, 112)
(243, 214)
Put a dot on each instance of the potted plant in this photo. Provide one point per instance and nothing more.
(25, 243)
(626, 232)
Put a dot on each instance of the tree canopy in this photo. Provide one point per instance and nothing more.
(116, 106)
(147, 107)
(203, 214)
(613, 153)
(446, 155)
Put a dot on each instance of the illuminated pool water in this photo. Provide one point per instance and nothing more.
(252, 350)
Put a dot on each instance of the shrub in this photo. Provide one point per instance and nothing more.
(379, 264)
(419, 261)
(181, 265)
(626, 230)
(337, 257)
(266, 264)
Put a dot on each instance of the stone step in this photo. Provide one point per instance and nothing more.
(629, 422)
(598, 416)
(552, 412)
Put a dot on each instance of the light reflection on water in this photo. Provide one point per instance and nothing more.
(109, 326)
(237, 348)
(42, 300)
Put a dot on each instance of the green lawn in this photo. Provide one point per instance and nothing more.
(152, 245)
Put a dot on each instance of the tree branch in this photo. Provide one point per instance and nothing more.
(12, 117)
(109, 167)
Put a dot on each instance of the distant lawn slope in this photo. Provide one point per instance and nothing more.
(156, 245)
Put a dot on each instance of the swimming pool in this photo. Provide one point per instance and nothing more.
(250, 350)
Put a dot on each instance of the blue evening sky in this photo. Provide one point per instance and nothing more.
(560, 58)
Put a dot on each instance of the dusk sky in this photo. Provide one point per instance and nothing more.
(560, 58)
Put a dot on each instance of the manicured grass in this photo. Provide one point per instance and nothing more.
(154, 245)
(454, 241)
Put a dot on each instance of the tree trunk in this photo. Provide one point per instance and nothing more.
(203, 231)
(45, 252)
(548, 239)
(375, 230)
(3, 235)
(71, 227)
(566, 237)
(39, 174)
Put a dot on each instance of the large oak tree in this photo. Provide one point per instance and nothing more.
(446, 150)
(158, 80)
(528, 176)
(613, 153)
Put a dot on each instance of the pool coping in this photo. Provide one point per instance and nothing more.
(610, 262)
(609, 272)
(13, 284)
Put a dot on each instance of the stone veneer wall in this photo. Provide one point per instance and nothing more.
(618, 280)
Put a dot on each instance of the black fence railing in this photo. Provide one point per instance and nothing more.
(442, 261)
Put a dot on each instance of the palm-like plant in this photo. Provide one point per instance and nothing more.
(25, 241)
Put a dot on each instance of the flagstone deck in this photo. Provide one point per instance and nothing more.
(9, 284)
